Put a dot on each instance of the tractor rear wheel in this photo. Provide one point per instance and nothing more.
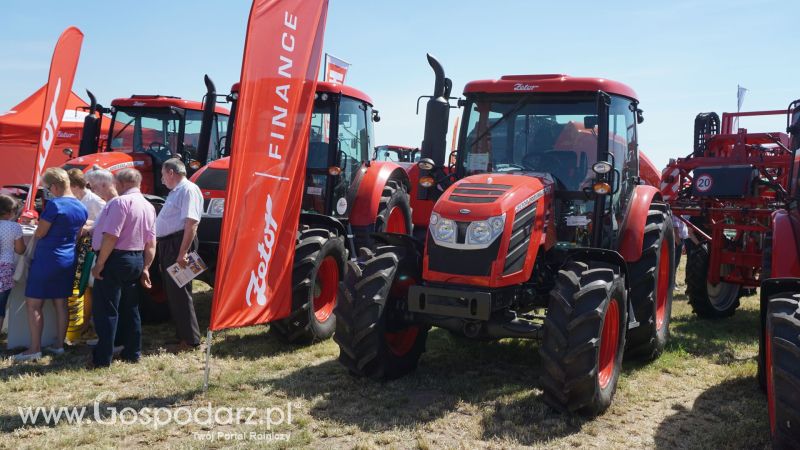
(708, 301)
(652, 279)
(318, 264)
(374, 339)
(394, 213)
(584, 339)
(783, 369)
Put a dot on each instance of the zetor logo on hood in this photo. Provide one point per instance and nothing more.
(258, 277)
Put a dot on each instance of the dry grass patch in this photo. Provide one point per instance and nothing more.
(701, 393)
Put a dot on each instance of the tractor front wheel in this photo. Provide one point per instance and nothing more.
(708, 301)
(394, 214)
(374, 339)
(652, 279)
(584, 339)
(783, 369)
(318, 264)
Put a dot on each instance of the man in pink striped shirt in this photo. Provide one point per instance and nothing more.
(124, 238)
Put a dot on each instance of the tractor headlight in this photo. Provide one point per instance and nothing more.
(443, 230)
(483, 232)
(216, 207)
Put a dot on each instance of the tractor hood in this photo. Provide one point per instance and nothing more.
(478, 197)
(112, 161)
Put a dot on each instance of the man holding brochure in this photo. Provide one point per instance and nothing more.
(124, 238)
(176, 228)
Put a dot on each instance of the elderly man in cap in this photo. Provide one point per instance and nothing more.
(124, 239)
(176, 228)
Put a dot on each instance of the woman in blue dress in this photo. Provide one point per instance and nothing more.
(52, 270)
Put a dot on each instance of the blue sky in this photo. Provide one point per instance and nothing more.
(682, 57)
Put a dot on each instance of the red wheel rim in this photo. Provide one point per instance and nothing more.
(770, 386)
(609, 344)
(325, 287)
(401, 342)
(662, 289)
(396, 222)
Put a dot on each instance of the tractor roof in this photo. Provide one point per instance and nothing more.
(548, 83)
(335, 88)
(162, 101)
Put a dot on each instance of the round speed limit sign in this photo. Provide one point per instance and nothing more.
(704, 183)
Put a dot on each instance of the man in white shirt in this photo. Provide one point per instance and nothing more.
(176, 234)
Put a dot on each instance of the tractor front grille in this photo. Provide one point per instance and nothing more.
(474, 262)
(520, 239)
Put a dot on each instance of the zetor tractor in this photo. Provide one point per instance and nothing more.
(346, 197)
(547, 212)
(779, 353)
(145, 131)
(726, 191)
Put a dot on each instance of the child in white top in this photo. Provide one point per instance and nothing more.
(10, 242)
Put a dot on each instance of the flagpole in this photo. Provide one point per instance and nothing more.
(208, 360)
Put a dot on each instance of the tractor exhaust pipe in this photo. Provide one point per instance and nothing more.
(90, 138)
(204, 141)
(437, 116)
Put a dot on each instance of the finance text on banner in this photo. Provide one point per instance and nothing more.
(281, 61)
(59, 87)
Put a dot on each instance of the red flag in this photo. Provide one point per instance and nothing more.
(335, 69)
(59, 86)
(267, 172)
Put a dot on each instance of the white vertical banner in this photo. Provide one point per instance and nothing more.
(335, 69)
(740, 91)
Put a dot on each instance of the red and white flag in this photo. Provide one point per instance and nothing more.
(59, 87)
(335, 69)
(268, 159)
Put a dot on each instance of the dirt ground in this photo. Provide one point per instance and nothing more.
(702, 393)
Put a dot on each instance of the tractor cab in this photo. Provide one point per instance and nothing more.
(146, 130)
(340, 143)
(396, 153)
(574, 136)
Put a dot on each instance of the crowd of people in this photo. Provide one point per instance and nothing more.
(106, 217)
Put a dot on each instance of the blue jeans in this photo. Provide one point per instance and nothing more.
(3, 303)
(115, 308)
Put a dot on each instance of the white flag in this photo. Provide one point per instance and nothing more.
(740, 97)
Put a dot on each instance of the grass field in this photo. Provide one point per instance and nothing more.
(702, 393)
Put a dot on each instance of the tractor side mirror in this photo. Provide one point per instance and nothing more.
(589, 122)
(68, 151)
(376, 117)
(639, 116)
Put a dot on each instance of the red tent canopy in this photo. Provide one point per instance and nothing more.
(19, 135)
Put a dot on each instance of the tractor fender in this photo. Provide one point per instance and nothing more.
(648, 171)
(785, 230)
(400, 240)
(632, 229)
(587, 254)
(315, 220)
(368, 189)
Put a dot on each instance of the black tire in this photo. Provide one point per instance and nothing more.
(708, 304)
(572, 343)
(310, 280)
(766, 272)
(783, 329)
(394, 197)
(648, 287)
(369, 314)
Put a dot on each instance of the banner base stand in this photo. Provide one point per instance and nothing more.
(208, 361)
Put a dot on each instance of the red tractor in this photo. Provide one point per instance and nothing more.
(145, 131)
(346, 197)
(779, 355)
(543, 230)
(726, 191)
